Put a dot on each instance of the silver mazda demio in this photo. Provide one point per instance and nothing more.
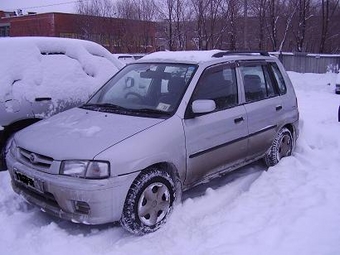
(161, 125)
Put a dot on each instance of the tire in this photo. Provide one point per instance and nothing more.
(149, 202)
(282, 146)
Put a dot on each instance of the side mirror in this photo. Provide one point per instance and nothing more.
(203, 106)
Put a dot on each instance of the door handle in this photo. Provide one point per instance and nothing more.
(39, 99)
(279, 107)
(238, 120)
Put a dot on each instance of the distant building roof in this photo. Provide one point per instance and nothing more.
(6, 14)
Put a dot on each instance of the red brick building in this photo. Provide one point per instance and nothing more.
(117, 35)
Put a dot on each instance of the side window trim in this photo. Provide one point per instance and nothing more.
(268, 70)
(273, 66)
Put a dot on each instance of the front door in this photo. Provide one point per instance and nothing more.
(218, 139)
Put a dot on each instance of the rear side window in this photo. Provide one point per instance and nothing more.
(218, 84)
(279, 78)
(257, 83)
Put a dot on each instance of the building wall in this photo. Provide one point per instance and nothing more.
(32, 25)
(117, 35)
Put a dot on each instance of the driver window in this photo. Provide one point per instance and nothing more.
(218, 84)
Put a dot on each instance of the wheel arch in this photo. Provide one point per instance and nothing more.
(172, 170)
(293, 131)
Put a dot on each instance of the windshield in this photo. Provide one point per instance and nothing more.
(144, 89)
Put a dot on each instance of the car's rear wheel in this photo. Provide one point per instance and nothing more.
(149, 202)
(282, 146)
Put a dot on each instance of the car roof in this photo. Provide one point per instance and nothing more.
(208, 57)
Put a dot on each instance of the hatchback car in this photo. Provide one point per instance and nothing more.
(41, 76)
(160, 126)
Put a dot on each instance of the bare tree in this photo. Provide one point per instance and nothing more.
(133, 11)
(304, 14)
(288, 16)
(301, 25)
(175, 18)
(245, 26)
(258, 9)
(182, 23)
(279, 20)
(126, 9)
(328, 9)
(102, 8)
(208, 16)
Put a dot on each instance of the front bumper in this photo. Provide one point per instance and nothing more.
(75, 199)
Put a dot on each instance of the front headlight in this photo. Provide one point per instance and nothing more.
(85, 169)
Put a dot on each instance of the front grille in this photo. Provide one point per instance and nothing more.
(34, 159)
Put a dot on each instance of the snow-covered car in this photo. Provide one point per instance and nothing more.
(43, 76)
(161, 125)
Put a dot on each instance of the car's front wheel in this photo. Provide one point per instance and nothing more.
(148, 202)
(282, 146)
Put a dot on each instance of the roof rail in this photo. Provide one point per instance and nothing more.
(225, 53)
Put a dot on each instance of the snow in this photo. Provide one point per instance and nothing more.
(189, 56)
(58, 68)
(87, 131)
(293, 208)
(337, 79)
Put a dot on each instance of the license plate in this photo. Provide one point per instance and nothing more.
(28, 181)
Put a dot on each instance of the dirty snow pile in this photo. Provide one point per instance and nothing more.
(58, 68)
(293, 208)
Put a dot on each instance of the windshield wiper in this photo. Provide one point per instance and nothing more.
(151, 111)
(104, 107)
(107, 107)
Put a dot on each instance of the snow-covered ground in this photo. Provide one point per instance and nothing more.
(293, 208)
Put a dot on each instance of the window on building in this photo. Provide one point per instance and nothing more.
(4, 31)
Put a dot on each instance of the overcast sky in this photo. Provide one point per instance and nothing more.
(39, 6)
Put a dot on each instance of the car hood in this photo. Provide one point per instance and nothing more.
(80, 133)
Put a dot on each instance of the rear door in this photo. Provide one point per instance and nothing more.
(218, 139)
(263, 106)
